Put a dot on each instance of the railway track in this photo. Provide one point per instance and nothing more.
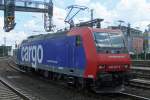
(141, 72)
(25, 95)
(141, 63)
(124, 94)
(135, 97)
(8, 92)
(140, 83)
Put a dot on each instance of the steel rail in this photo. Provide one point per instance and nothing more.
(139, 84)
(137, 97)
(5, 83)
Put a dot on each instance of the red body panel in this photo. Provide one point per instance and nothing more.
(95, 59)
(113, 59)
(114, 62)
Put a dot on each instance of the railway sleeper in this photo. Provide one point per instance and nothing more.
(138, 84)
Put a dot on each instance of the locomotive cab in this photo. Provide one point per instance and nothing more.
(113, 58)
(108, 61)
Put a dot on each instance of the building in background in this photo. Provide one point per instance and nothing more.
(5, 50)
(133, 38)
(147, 40)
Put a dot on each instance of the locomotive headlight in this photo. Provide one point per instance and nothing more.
(126, 66)
(102, 67)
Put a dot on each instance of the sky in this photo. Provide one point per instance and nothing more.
(136, 12)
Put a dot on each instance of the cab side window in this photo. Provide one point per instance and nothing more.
(78, 41)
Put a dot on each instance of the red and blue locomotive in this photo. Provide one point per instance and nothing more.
(83, 56)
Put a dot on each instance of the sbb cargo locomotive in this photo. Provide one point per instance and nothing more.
(83, 56)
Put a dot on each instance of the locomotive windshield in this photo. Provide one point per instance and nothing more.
(109, 40)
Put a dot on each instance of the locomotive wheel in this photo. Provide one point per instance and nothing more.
(29, 69)
(46, 74)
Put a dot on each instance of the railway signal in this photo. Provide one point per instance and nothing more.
(10, 6)
(9, 15)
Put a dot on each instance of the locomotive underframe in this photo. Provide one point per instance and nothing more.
(111, 81)
(106, 82)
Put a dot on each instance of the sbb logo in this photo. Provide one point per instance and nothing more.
(33, 54)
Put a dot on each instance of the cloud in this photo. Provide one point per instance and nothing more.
(141, 24)
(12, 36)
(1, 23)
(34, 23)
(82, 2)
(101, 11)
(32, 26)
(59, 17)
(136, 12)
(60, 3)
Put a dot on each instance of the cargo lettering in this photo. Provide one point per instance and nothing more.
(33, 54)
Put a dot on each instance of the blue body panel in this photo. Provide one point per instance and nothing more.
(53, 52)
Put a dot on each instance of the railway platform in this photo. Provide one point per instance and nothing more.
(144, 81)
(140, 68)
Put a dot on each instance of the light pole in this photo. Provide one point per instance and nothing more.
(127, 34)
(92, 14)
(120, 23)
(4, 46)
(136, 54)
(145, 53)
